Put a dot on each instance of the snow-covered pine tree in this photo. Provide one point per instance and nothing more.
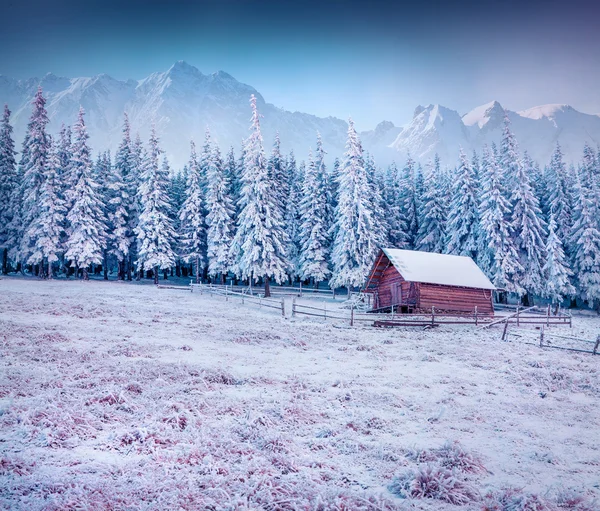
(463, 225)
(16, 225)
(509, 155)
(35, 157)
(528, 229)
(192, 233)
(138, 159)
(392, 195)
(233, 180)
(378, 205)
(560, 197)
(293, 219)
(355, 242)
(409, 206)
(260, 236)
(278, 176)
(220, 218)
(497, 254)
(155, 234)
(333, 186)
(557, 273)
(433, 211)
(119, 236)
(585, 241)
(102, 174)
(314, 251)
(8, 183)
(87, 231)
(590, 175)
(47, 228)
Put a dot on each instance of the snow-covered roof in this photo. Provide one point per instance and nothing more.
(447, 270)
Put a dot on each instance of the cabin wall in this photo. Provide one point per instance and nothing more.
(389, 280)
(452, 298)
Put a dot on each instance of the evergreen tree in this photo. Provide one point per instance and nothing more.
(155, 234)
(35, 157)
(586, 247)
(509, 155)
(233, 180)
(528, 229)
(463, 225)
(47, 228)
(220, 218)
(556, 270)
(560, 198)
(314, 233)
(119, 237)
(192, 218)
(408, 197)
(355, 243)
(432, 211)
(260, 235)
(8, 183)
(278, 177)
(392, 195)
(378, 205)
(87, 223)
(497, 255)
(293, 218)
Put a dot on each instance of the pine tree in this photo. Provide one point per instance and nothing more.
(192, 217)
(278, 177)
(119, 238)
(47, 228)
(155, 234)
(528, 229)
(408, 198)
(433, 211)
(497, 255)
(35, 157)
(355, 243)
(293, 218)
(392, 195)
(378, 205)
(509, 155)
(8, 183)
(556, 271)
(260, 236)
(233, 180)
(586, 247)
(463, 225)
(313, 209)
(87, 234)
(560, 197)
(220, 218)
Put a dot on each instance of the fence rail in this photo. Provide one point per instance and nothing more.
(544, 340)
(276, 290)
(228, 294)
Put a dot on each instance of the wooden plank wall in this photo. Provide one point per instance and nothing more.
(462, 299)
(390, 278)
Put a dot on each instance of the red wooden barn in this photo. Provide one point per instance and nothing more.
(413, 281)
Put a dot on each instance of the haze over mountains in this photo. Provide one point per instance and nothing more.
(182, 102)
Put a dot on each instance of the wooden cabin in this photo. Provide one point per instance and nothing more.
(412, 281)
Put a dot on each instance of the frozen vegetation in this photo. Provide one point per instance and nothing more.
(123, 396)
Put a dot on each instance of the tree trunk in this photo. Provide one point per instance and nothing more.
(222, 278)
(85, 274)
(267, 287)
(105, 264)
(316, 284)
(5, 261)
(156, 275)
(129, 265)
(50, 272)
(166, 274)
(197, 270)
(178, 269)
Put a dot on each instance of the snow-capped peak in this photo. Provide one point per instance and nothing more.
(482, 114)
(549, 111)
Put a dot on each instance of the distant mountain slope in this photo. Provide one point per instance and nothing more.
(182, 102)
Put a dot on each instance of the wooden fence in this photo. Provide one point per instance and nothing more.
(245, 297)
(547, 339)
(298, 291)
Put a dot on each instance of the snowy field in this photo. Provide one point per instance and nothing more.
(119, 396)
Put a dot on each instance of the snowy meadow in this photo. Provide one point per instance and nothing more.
(123, 396)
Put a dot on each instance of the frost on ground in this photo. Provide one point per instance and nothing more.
(116, 396)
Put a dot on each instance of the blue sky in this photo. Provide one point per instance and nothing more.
(372, 60)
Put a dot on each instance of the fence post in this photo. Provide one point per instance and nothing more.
(570, 319)
(548, 316)
(517, 315)
(334, 293)
(226, 297)
(300, 289)
(294, 307)
(325, 310)
(596, 345)
(432, 315)
(352, 317)
(505, 332)
(542, 337)
(475, 315)
(282, 308)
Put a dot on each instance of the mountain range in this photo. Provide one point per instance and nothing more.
(183, 101)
